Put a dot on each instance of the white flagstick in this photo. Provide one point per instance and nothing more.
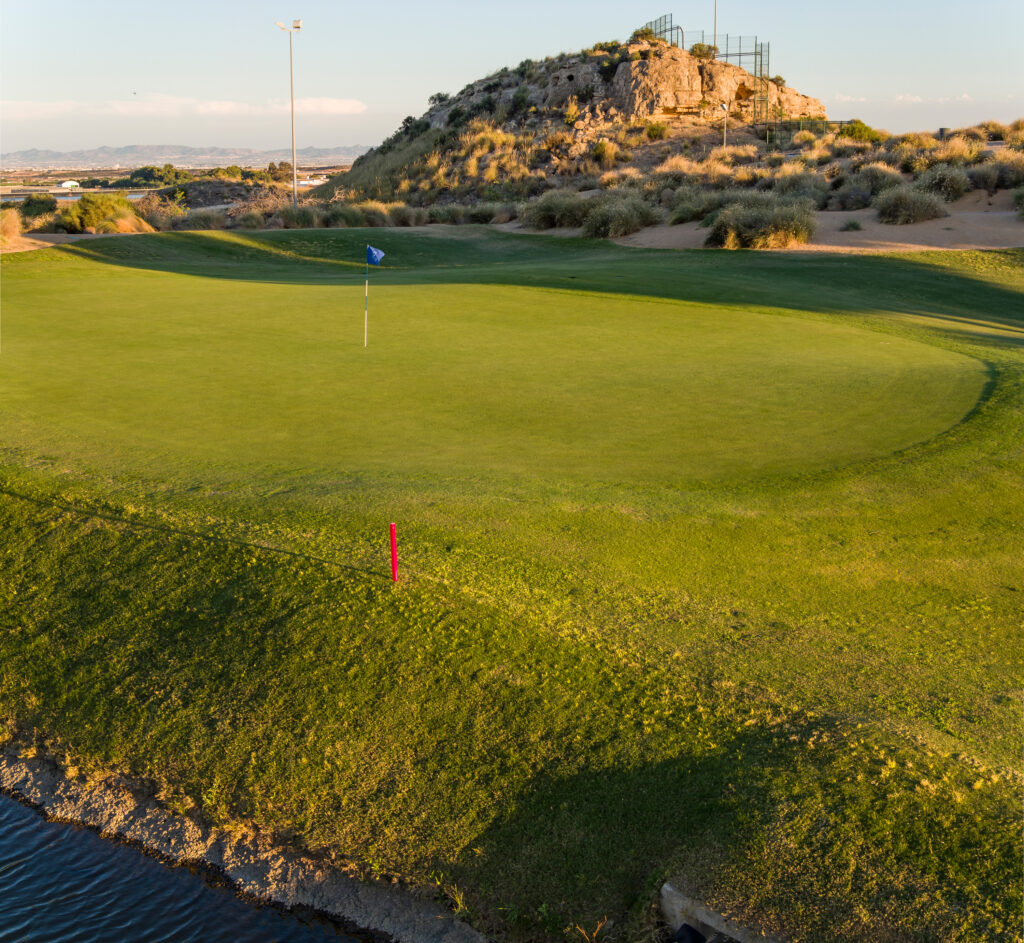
(366, 302)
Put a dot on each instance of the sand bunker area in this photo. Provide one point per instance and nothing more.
(975, 221)
(27, 241)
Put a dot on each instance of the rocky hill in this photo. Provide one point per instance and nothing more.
(634, 81)
(520, 131)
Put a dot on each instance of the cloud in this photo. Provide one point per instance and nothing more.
(849, 98)
(171, 106)
(956, 98)
(909, 99)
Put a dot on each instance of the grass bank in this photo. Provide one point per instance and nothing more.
(711, 564)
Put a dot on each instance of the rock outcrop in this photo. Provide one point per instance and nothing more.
(652, 81)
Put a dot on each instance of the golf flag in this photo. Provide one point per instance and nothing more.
(373, 257)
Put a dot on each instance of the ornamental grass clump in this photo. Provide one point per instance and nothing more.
(945, 181)
(762, 221)
(907, 204)
(91, 209)
(10, 225)
(617, 215)
(203, 219)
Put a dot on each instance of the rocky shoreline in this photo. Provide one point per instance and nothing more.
(252, 864)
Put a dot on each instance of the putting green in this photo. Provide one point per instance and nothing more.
(190, 378)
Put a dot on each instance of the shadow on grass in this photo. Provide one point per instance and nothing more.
(799, 838)
(478, 255)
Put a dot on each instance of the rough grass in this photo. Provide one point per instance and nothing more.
(710, 564)
(10, 224)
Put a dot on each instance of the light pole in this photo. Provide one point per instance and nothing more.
(725, 122)
(295, 27)
(715, 40)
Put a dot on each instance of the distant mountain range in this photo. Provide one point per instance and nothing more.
(143, 155)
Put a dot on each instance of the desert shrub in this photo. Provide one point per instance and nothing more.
(1011, 169)
(605, 152)
(249, 220)
(38, 204)
(878, 176)
(482, 213)
(762, 223)
(656, 130)
(851, 225)
(374, 212)
(555, 208)
(159, 211)
(343, 216)
(994, 130)
(812, 186)
(735, 153)
(854, 194)
(299, 217)
(122, 221)
(91, 209)
(804, 138)
(693, 203)
(984, 177)
(907, 204)
(956, 150)
(572, 111)
(202, 219)
(617, 215)
(950, 183)
(401, 215)
(10, 224)
(451, 213)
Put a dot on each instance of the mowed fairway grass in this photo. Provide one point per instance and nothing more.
(711, 565)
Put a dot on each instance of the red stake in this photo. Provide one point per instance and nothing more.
(394, 555)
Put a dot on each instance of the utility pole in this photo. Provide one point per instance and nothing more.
(296, 26)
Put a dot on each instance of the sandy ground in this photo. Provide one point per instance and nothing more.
(976, 221)
(129, 811)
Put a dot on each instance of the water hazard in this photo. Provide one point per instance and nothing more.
(65, 883)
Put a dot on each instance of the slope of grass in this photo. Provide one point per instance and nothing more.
(711, 564)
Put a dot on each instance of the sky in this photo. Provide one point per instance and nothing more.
(79, 74)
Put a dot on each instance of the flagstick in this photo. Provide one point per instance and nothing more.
(366, 302)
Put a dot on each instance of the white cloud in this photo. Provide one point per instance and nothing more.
(171, 106)
(849, 98)
(909, 99)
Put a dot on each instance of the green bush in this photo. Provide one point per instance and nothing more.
(947, 181)
(482, 213)
(617, 215)
(907, 204)
(703, 51)
(605, 153)
(1011, 169)
(555, 208)
(89, 210)
(401, 215)
(810, 185)
(342, 216)
(857, 130)
(693, 203)
(451, 213)
(1018, 201)
(572, 111)
(38, 204)
(762, 223)
(298, 217)
(656, 130)
(851, 225)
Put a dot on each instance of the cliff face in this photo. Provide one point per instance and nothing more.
(653, 81)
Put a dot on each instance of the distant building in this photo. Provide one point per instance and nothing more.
(70, 184)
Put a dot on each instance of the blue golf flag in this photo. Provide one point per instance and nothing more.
(373, 256)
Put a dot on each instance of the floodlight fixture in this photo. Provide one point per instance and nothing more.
(296, 24)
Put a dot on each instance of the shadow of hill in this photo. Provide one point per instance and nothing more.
(909, 284)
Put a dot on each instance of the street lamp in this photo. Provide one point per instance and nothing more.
(295, 27)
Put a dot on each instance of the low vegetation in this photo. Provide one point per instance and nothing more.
(905, 204)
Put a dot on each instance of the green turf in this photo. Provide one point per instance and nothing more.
(711, 563)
